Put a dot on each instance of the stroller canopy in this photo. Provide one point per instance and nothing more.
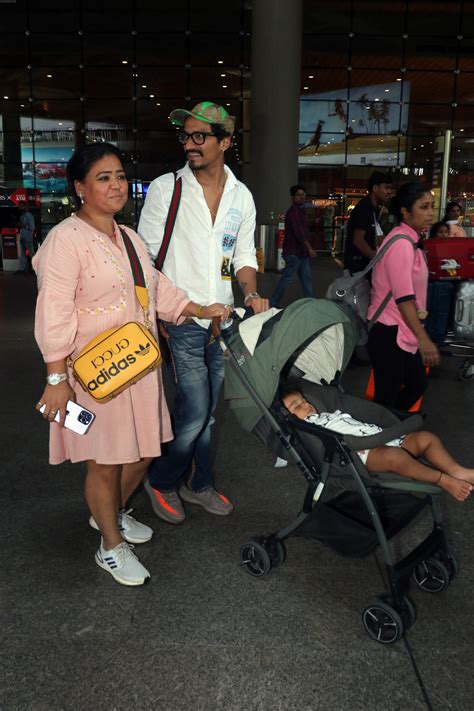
(315, 335)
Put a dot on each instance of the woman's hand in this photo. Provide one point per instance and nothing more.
(55, 398)
(428, 351)
(216, 310)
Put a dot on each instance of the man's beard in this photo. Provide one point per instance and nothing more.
(195, 167)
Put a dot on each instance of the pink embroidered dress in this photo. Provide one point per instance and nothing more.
(86, 286)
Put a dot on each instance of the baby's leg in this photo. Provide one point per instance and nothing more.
(429, 446)
(394, 459)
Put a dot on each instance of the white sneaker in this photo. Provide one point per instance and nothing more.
(122, 564)
(132, 530)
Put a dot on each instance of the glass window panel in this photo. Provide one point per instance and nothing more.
(431, 53)
(422, 87)
(206, 50)
(437, 18)
(102, 82)
(325, 50)
(421, 150)
(119, 113)
(153, 114)
(14, 83)
(209, 82)
(108, 49)
(14, 16)
(325, 80)
(148, 171)
(390, 21)
(464, 119)
(377, 52)
(58, 49)
(161, 49)
(335, 19)
(207, 17)
(170, 83)
(14, 49)
(69, 111)
(424, 118)
(48, 19)
(374, 150)
(462, 153)
(56, 83)
(379, 79)
(367, 116)
(119, 20)
(168, 17)
(160, 146)
(466, 50)
(465, 88)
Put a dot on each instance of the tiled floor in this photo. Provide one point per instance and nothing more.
(204, 635)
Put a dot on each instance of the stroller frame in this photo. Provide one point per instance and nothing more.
(432, 564)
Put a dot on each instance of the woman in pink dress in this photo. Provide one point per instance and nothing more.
(398, 345)
(86, 286)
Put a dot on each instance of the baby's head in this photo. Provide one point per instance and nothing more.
(296, 405)
(439, 229)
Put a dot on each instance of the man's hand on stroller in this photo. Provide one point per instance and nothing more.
(257, 303)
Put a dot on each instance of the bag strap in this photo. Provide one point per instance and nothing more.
(138, 276)
(370, 266)
(382, 251)
(170, 220)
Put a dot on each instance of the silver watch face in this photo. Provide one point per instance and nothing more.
(55, 379)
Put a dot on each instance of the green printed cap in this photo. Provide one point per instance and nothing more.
(205, 111)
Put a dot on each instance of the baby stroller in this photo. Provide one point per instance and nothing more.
(312, 341)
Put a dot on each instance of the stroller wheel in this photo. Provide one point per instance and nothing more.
(466, 370)
(382, 622)
(255, 558)
(431, 575)
(406, 610)
(450, 560)
(277, 551)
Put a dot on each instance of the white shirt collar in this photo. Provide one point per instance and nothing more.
(188, 176)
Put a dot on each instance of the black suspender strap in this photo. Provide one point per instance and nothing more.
(170, 220)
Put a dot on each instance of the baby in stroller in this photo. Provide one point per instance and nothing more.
(399, 456)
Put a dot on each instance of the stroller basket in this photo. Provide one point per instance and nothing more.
(344, 524)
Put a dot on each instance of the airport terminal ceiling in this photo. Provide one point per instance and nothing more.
(83, 70)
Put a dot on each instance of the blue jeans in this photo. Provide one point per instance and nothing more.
(198, 371)
(293, 264)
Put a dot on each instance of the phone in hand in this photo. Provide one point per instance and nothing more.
(78, 418)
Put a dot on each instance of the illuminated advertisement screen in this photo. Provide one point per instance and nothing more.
(363, 130)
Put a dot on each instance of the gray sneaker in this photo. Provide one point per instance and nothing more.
(166, 504)
(210, 500)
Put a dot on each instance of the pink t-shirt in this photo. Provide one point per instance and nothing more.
(403, 271)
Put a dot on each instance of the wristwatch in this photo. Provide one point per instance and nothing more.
(252, 295)
(56, 378)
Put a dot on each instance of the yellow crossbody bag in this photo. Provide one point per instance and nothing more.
(119, 357)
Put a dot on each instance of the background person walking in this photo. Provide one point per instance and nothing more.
(296, 248)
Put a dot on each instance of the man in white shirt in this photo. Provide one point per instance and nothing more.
(214, 230)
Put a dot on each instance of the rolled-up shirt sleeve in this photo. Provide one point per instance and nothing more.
(245, 254)
(57, 266)
(398, 265)
(170, 300)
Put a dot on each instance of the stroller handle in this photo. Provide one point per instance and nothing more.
(215, 323)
